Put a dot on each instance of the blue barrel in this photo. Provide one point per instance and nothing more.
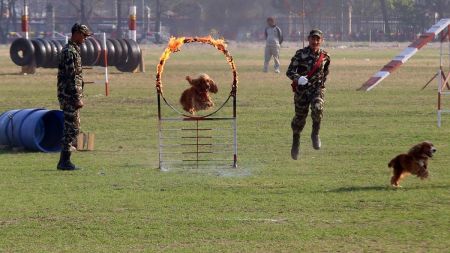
(35, 129)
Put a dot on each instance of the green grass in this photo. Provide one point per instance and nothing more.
(337, 199)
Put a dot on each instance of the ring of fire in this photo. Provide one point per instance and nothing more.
(175, 45)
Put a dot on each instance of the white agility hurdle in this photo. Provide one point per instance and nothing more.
(194, 141)
(441, 28)
(406, 54)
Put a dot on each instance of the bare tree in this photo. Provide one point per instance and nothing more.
(3, 31)
(385, 12)
(84, 10)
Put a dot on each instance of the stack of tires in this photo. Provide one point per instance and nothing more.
(124, 54)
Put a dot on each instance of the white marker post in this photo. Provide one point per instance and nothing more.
(105, 54)
(132, 23)
(25, 26)
(31, 68)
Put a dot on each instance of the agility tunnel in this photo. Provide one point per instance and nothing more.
(124, 54)
(34, 129)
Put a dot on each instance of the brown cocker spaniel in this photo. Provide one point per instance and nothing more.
(414, 162)
(197, 97)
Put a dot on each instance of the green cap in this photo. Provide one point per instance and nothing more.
(81, 28)
(316, 32)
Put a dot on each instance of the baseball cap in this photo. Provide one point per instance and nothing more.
(316, 32)
(81, 28)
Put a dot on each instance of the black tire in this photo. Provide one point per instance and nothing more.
(133, 57)
(22, 52)
(59, 48)
(48, 53)
(62, 43)
(53, 55)
(97, 50)
(118, 51)
(83, 53)
(39, 52)
(111, 53)
(124, 57)
(89, 57)
(58, 45)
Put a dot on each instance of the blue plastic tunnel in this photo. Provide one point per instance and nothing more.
(35, 129)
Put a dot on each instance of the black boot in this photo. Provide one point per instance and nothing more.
(316, 143)
(295, 150)
(64, 162)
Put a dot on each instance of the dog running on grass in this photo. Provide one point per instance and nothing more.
(414, 162)
(197, 97)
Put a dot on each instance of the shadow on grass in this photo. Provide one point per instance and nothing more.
(387, 188)
(7, 150)
(12, 74)
(361, 188)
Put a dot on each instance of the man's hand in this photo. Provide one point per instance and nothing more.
(302, 80)
(79, 104)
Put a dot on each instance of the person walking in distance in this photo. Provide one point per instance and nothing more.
(274, 39)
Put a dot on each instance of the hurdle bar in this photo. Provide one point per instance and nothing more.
(405, 55)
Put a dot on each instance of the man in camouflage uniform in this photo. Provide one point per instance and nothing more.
(70, 92)
(308, 71)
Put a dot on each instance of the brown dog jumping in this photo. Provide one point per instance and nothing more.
(197, 97)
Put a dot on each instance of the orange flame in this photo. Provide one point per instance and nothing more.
(175, 45)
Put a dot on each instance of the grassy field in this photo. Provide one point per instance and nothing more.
(337, 199)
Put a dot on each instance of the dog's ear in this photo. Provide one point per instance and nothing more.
(189, 79)
(213, 87)
(417, 149)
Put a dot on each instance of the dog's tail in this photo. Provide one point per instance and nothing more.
(392, 162)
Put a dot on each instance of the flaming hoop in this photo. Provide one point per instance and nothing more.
(175, 45)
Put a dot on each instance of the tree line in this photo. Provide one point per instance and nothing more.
(231, 17)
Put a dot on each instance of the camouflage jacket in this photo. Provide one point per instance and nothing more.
(70, 75)
(303, 61)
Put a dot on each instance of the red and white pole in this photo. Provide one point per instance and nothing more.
(25, 25)
(105, 55)
(132, 23)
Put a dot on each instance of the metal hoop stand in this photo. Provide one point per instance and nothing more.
(195, 141)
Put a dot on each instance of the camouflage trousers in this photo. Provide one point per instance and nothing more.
(305, 99)
(71, 127)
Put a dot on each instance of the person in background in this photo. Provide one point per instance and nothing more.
(70, 92)
(274, 39)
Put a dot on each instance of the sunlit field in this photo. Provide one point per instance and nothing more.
(337, 199)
